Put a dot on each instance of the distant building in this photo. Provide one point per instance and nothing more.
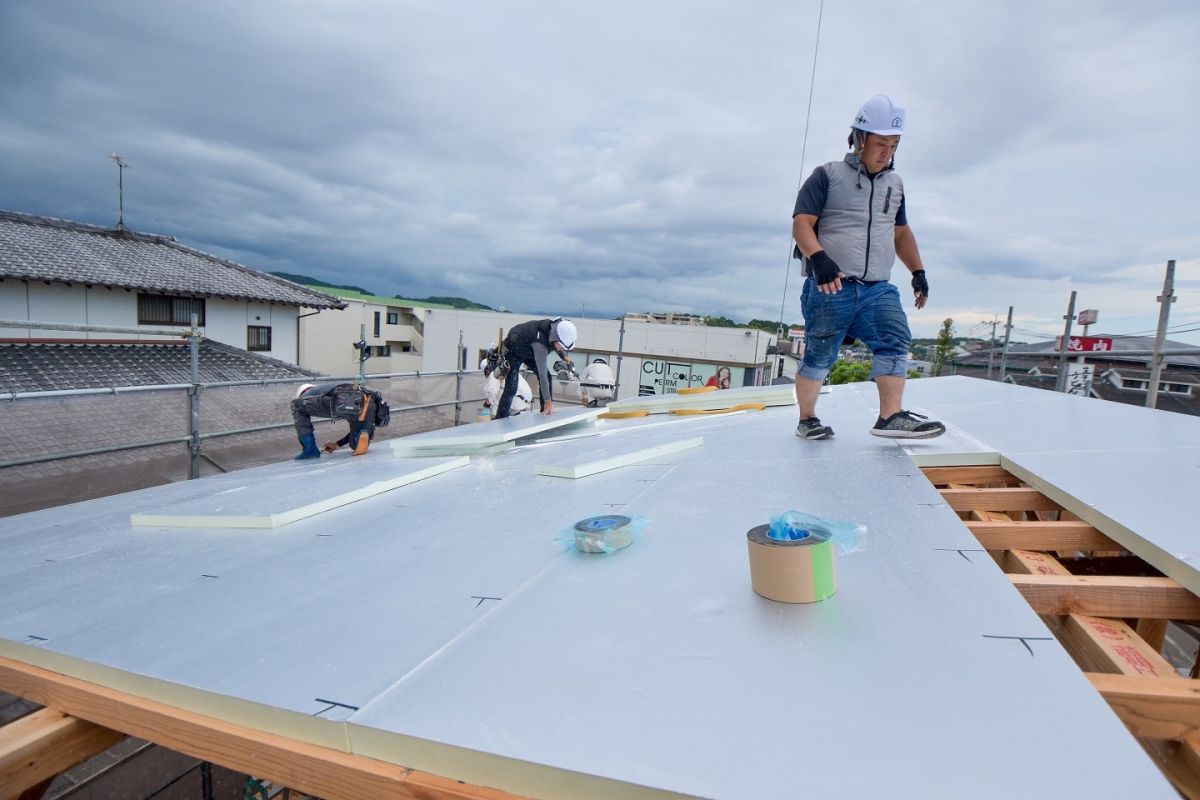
(658, 357)
(54, 270)
(667, 318)
(85, 413)
(1109, 375)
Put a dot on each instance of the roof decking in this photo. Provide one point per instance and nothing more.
(440, 626)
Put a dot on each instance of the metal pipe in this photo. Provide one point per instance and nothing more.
(462, 364)
(116, 448)
(209, 385)
(194, 400)
(620, 354)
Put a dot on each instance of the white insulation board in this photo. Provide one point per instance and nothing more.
(478, 436)
(782, 395)
(458, 636)
(285, 497)
(614, 456)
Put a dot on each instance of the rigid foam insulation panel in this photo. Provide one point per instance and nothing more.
(614, 456)
(286, 497)
(723, 398)
(476, 437)
(458, 637)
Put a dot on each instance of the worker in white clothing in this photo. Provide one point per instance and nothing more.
(493, 387)
(596, 384)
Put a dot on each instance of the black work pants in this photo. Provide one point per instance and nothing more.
(510, 384)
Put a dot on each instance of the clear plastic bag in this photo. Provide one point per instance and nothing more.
(847, 537)
(606, 533)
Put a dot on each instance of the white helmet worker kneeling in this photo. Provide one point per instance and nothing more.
(530, 344)
(596, 383)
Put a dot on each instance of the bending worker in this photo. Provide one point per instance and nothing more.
(530, 344)
(596, 383)
(850, 224)
(493, 387)
(335, 400)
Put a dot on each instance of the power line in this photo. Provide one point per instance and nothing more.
(803, 152)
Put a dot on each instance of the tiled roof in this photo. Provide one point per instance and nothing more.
(41, 367)
(48, 249)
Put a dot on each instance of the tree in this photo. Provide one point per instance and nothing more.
(943, 346)
(850, 372)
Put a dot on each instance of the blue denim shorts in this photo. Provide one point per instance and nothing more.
(870, 312)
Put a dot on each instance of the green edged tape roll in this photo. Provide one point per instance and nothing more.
(792, 571)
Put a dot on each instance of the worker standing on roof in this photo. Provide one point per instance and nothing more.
(530, 343)
(334, 400)
(596, 383)
(850, 223)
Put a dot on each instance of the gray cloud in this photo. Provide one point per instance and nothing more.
(624, 156)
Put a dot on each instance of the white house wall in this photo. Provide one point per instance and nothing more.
(225, 320)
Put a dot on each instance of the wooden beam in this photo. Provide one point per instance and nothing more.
(1153, 708)
(1109, 645)
(1153, 632)
(1021, 498)
(945, 475)
(1072, 535)
(40, 745)
(317, 770)
(1108, 596)
(1028, 562)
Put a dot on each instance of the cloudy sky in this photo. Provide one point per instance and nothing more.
(620, 156)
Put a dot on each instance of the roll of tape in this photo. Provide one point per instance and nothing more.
(603, 534)
(797, 570)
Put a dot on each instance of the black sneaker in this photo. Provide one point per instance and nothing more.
(907, 425)
(812, 428)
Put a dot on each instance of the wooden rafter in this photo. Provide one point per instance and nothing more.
(1065, 535)
(1014, 498)
(317, 770)
(1108, 596)
(40, 745)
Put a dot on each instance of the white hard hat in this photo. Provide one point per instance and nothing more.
(483, 364)
(566, 333)
(880, 115)
(304, 387)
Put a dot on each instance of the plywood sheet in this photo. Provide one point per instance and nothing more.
(285, 497)
(614, 456)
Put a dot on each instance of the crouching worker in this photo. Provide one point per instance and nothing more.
(530, 343)
(361, 408)
(596, 383)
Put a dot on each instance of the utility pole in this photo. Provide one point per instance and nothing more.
(1061, 384)
(1160, 339)
(992, 346)
(1007, 336)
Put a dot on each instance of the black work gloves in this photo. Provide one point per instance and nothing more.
(919, 284)
(824, 268)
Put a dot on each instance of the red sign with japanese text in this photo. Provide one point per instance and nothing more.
(1088, 344)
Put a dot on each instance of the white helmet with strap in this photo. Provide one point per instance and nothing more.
(304, 387)
(565, 332)
(880, 115)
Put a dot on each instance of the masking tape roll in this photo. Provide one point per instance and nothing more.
(603, 534)
(792, 571)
